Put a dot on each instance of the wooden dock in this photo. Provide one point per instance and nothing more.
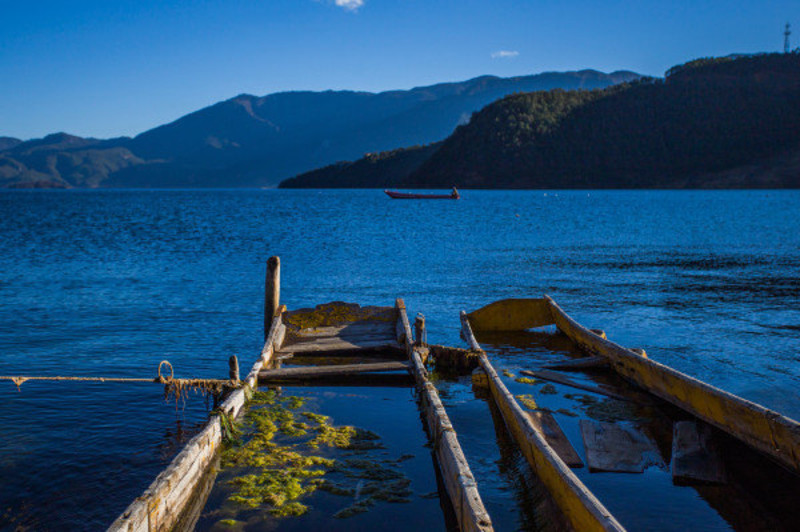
(334, 343)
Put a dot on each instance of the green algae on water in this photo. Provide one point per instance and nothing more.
(528, 401)
(279, 462)
(508, 373)
(607, 410)
(526, 380)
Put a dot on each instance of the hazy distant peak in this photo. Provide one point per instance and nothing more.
(6, 143)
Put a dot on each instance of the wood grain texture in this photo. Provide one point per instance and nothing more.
(615, 448)
(311, 372)
(547, 425)
(695, 458)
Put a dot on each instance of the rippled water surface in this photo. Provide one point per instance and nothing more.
(109, 283)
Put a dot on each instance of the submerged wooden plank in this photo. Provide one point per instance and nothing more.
(311, 372)
(615, 448)
(563, 379)
(763, 429)
(550, 429)
(695, 458)
(579, 505)
(511, 315)
(578, 364)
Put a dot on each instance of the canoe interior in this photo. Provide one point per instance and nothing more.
(757, 493)
(356, 365)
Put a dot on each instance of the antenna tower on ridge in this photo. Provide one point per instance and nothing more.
(786, 33)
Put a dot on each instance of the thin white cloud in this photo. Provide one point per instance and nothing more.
(500, 54)
(349, 5)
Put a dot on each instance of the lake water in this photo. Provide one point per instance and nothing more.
(109, 283)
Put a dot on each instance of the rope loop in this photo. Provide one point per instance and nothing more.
(171, 372)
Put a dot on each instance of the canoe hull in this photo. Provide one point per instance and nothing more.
(403, 195)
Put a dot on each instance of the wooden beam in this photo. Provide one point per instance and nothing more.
(316, 372)
(615, 448)
(356, 380)
(460, 484)
(272, 292)
(694, 456)
(404, 336)
(331, 345)
(763, 429)
(419, 331)
(563, 379)
(550, 429)
(467, 335)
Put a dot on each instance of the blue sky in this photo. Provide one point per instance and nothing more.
(119, 67)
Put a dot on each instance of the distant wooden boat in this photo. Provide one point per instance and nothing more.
(404, 195)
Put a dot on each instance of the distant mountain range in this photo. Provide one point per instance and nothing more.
(730, 122)
(257, 141)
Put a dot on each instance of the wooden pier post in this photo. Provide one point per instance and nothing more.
(419, 331)
(233, 365)
(272, 292)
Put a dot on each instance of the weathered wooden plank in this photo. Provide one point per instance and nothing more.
(763, 429)
(579, 505)
(467, 334)
(578, 364)
(359, 329)
(695, 458)
(555, 437)
(563, 379)
(338, 344)
(459, 482)
(312, 372)
(511, 315)
(404, 335)
(358, 380)
(615, 448)
(272, 293)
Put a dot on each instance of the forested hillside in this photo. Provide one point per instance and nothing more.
(705, 117)
(726, 122)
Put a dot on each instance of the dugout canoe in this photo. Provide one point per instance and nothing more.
(758, 427)
(406, 195)
(337, 330)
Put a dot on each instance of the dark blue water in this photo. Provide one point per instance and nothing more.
(109, 283)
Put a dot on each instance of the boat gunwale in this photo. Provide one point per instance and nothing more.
(769, 431)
